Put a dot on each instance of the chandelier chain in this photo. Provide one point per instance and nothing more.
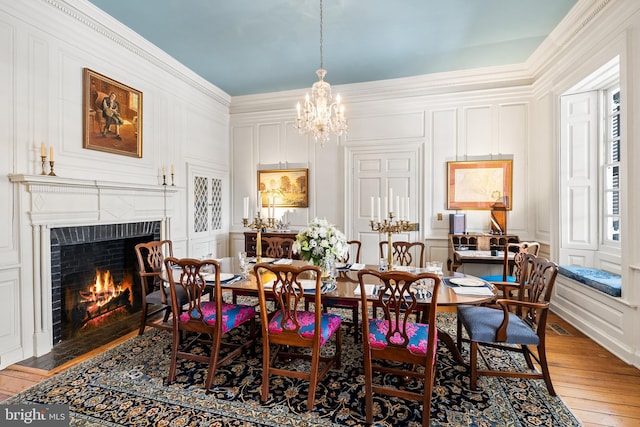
(321, 22)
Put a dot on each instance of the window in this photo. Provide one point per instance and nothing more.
(611, 169)
(591, 171)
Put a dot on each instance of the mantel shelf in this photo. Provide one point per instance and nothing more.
(56, 181)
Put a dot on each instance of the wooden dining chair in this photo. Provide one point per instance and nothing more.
(291, 327)
(354, 249)
(210, 319)
(274, 247)
(512, 269)
(405, 253)
(278, 247)
(513, 330)
(396, 337)
(155, 290)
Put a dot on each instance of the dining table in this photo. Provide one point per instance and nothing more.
(347, 287)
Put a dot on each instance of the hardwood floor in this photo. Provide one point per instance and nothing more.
(600, 389)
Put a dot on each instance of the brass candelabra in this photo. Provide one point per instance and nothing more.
(259, 224)
(390, 227)
(51, 172)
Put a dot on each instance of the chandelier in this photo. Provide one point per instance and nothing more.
(319, 115)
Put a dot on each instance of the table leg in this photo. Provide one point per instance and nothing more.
(449, 342)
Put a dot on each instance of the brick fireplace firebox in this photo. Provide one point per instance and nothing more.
(76, 254)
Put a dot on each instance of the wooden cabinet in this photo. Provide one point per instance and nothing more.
(479, 247)
(250, 240)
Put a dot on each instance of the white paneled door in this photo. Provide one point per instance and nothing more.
(377, 173)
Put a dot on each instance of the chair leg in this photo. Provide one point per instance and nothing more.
(313, 378)
(213, 361)
(542, 355)
(473, 364)
(527, 356)
(266, 368)
(167, 313)
(368, 387)
(143, 319)
(459, 334)
(174, 354)
(426, 400)
(356, 324)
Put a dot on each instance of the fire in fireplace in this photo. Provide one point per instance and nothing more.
(89, 307)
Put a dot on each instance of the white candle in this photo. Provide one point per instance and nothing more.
(379, 217)
(371, 208)
(398, 206)
(258, 201)
(407, 213)
(390, 200)
(246, 208)
(386, 207)
(50, 153)
(42, 150)
(401, 210)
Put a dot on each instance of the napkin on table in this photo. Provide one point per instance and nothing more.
(480, 291)
(284, 261)
(369, 289)
(356, 266)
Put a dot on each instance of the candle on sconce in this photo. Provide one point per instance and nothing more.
(50, 153)
(42, 154)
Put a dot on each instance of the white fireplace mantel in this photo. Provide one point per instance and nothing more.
(46, 202)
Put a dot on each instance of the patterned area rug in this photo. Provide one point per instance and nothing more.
(126, 386)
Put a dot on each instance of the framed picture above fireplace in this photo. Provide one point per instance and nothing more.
(112, 115)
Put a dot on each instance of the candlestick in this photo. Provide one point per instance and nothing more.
(172, 182)
(44, 161)
(42, 154)
(51, 173)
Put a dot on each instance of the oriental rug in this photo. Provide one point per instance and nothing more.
(126, 386)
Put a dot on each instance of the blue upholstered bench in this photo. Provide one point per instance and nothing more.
(601, 280)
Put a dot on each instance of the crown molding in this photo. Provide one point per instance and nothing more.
(97, 21)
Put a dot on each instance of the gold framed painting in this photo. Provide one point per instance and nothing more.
(479, 184)
(111, 115)
(286, 188)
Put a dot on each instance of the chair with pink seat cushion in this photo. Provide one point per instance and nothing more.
(292, 328)
(201, 316)
(398, 337)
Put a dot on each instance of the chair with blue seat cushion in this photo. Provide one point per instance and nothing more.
(206, 318)
(291, 326)
(513, 330)
(512, 269)
(399, 337)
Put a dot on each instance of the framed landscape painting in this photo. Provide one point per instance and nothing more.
(479, 184)
(111, 115)
(287, 188)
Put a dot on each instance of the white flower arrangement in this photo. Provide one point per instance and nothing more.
(319, 242)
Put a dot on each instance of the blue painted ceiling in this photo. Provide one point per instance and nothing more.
(258, 46)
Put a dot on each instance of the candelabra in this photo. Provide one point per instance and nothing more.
(389, 226)
(259, 224)
(44, 162)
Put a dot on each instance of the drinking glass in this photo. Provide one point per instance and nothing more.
(244, 263)
(383, 264)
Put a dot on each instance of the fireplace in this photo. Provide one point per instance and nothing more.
(94, 275)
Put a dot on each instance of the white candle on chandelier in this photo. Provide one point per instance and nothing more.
(386, 207)
(379, 217)
(398, 207)
(246, 207)
(390, 210)
(298, 108)
(401, 208)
